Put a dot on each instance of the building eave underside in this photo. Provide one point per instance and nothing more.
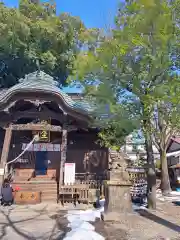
(43, 95)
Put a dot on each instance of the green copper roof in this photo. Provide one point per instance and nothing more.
(42, 82)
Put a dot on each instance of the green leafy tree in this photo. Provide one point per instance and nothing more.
(34, 32)
(111, 115)
(139, 58)
(116, 125)
(164, 124)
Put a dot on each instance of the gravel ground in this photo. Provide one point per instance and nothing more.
(162, 224)
(42, 222)
(143, 225)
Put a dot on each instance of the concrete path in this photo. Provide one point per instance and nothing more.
(30, 222)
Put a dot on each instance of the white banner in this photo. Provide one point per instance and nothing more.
(69, 173)
(1, 171)
(42, 147)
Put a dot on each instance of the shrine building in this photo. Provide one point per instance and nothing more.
(36, 105)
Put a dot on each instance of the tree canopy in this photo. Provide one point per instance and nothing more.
(34, 32)
(139, 59)
(116, 124)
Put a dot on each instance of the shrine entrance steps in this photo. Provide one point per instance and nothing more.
(48, 188)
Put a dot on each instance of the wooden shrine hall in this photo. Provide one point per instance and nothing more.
(66, 151)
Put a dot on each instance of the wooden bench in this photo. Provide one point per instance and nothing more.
(27, 197)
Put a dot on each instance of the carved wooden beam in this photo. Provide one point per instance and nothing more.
(35, 127)
(40, 127)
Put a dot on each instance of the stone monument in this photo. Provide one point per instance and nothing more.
(117, 188)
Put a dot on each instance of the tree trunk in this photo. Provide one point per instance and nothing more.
(151, 174)
(165, 183)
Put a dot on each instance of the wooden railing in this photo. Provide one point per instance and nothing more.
(87, 188)
(74, 193)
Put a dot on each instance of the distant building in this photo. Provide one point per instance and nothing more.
(135, 147)
(173, 147)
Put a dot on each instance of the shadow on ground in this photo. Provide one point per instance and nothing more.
(106, 229)
(7, 223)
(61, 223)
(146, 214)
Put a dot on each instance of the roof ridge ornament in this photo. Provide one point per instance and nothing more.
(39, 76)
(38, 67)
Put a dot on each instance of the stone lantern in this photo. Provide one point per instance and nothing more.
(117, 188)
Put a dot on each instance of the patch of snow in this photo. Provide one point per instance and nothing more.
(162, 199)
(81, 229)
(175, 193)
(138, 207)
(83, 234)
(174, 196)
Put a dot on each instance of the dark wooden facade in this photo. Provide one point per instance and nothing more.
(78, 145)
(22, 112)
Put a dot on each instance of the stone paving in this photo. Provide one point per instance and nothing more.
(29, 222)
(47, 221)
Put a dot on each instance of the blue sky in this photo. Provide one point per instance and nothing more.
(94, 13)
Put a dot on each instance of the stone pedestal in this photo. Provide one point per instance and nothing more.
(117, 188)
(117, 195)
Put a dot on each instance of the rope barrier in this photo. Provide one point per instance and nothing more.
(36, 138)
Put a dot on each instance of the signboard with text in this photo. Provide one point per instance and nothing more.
(44, 136)
(42, 147)
(69, 173)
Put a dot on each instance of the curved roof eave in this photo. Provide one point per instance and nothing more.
(43, 83)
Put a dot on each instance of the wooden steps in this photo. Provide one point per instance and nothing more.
(47, 188)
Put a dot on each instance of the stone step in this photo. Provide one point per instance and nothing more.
(48, 197)
(39, 183)
(25, 178)
(35, 182)
(43, 192)
(36, 188)
(53, 200)
(22, 181)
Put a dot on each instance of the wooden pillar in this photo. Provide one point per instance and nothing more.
(6, 147)
(63, 153)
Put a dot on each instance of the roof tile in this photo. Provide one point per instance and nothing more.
(40, 81)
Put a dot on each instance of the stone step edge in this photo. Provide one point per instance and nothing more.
(35, 182)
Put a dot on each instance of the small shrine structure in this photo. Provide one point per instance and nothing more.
(36, 105)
